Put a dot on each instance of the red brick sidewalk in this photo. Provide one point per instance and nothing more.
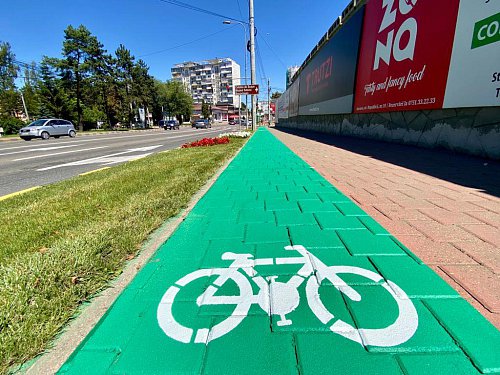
(444, 207)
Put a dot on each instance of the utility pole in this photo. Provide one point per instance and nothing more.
(268, 102)
(24, 105)
(252, 61)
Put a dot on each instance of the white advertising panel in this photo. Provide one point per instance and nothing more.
(282, 104)
(474, 76)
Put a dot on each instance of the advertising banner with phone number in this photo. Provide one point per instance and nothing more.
(405, 55)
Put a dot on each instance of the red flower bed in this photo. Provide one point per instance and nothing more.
(207, 142)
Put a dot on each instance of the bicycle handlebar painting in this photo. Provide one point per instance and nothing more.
(282, 298)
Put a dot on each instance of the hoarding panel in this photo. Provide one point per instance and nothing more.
(405, 54)
(283, 103)
(293, 108)
(474, 77)
(327, 82)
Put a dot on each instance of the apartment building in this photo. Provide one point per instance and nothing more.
(290, 72)
(210, 80)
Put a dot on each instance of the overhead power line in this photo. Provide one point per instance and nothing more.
(32, 66)
(239, 9)
(260, 63)
(201, 10)
(187, 43)
(273, 51)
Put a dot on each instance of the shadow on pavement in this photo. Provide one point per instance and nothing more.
(474, 172)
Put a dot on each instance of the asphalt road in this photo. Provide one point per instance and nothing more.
(36, 163)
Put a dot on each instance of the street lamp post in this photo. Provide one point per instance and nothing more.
(228, 22)
(252, 60)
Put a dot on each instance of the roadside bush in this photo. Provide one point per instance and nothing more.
(11, 125)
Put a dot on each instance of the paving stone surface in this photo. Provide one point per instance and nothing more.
(276, 271)
(444, 207)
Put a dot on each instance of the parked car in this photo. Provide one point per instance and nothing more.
(171, 125)
(202, 124)
(232, 122)
(46, 128)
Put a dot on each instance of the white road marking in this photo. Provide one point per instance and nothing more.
(37, 149)
(141, 149)
(149, 134)
(60, 153)
(105, 159)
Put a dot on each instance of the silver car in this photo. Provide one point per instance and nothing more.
(46, 128)
(202, 124)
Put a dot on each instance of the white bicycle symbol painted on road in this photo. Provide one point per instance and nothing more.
(280, 299)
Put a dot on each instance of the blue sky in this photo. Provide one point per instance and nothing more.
(290, 27)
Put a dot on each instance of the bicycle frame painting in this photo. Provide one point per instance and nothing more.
(281, 298)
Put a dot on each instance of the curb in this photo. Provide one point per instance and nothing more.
(90, 315)
(4, 197)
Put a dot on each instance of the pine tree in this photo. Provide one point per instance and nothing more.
(78, 46)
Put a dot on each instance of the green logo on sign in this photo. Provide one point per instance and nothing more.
(486, 31)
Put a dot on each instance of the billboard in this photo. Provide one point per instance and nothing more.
(327, 82)
(282, 106)
(474, 77)
(405, 54)
(293, 107)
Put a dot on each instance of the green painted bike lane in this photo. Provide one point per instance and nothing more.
(275, 271)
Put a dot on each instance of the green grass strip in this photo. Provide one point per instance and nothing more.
(62, 243)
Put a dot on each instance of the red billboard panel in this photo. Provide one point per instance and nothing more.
(273, 107)
(405, 55)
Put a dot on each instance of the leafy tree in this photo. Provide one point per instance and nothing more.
(8, 69)
(276, 95)
(205, 110)
(142, 86)
(31, 90)
(9, 99)
(179, 102)
(88, 85)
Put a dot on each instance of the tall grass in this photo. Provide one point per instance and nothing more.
(61, 244)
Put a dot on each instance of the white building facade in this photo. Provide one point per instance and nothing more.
(290, 72)
(212, 80)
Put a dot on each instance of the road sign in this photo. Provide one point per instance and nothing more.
(247, 89)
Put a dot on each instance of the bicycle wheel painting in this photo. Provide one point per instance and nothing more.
(278, 298)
